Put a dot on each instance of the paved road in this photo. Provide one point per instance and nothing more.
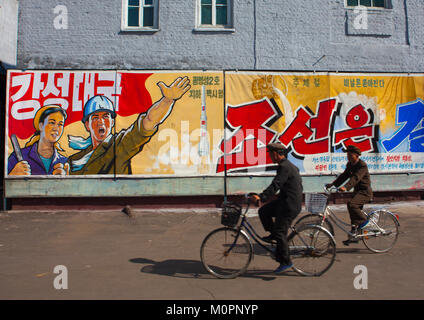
(155, 255)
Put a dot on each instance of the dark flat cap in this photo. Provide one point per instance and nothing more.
(353, 149)
(276, 147)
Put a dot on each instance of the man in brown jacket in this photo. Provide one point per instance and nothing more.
(359, 179)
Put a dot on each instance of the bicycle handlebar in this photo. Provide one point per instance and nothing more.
(331, 189)
(248, 198)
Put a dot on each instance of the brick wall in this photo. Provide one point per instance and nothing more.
(269, 35)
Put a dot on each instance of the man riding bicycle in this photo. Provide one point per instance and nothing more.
(285, 208)
(359, 179)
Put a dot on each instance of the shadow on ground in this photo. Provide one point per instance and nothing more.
(194, 269)
(181, 268)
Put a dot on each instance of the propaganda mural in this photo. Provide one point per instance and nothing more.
(186, 123)
(113, 123)
(317, 115)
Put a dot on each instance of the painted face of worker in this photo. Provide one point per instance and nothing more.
(99, 124)
(51, 128)
(352, 157)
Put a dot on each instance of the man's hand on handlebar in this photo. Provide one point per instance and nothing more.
(329, 187)
(255, 199)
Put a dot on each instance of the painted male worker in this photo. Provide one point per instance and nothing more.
(97, 153)
(285, 208)
(359, 179)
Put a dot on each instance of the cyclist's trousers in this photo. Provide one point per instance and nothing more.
(354, 207)
(279, 228)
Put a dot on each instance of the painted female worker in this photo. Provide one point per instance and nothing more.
(106, 153)
(40, 155)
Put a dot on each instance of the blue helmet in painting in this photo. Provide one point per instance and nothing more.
(98, 103)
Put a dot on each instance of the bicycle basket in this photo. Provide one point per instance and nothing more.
(315, 202)
(230, 214)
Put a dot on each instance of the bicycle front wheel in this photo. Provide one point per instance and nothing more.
(312, 250)
(380, 235)
(226, 253)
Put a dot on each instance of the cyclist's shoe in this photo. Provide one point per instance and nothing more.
(352, 238)
(269, 239)
(283, 267)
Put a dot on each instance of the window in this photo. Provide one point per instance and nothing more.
(215, 14)
(368, 3)
(140, 15)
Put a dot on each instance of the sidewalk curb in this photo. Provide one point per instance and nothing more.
(200, 210)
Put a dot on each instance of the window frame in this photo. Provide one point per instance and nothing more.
(387, 5)
(124, 20)
(215, 27)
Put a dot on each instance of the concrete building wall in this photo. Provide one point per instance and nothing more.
(8, 31)
(289, 35)
(269, 35)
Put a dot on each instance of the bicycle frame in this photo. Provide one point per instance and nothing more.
(250, 231)
(245, 225)
(306, 244)
(329, 214)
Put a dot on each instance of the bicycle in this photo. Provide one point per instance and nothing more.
(379, 236)
(226, 252)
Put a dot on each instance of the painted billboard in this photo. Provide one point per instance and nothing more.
(186, 123)
(317, 115)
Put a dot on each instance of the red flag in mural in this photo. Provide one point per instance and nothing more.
(29, 91)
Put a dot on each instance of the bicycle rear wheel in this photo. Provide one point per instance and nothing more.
(317, 219)
(226, 253)
(380, 235)
(312, 250)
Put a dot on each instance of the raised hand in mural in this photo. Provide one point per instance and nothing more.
(98, 117)
(160, 110)
(22, 168)
(176, 90)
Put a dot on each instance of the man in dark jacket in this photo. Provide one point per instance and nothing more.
(359, 179)
(285, 208)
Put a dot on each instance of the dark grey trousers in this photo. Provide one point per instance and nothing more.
(278, 228)
(354, 207)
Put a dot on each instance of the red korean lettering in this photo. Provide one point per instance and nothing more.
(359, 134)
(312, 139)
(251, 133)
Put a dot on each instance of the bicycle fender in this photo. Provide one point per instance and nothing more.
(250, 243)
(390, 213)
